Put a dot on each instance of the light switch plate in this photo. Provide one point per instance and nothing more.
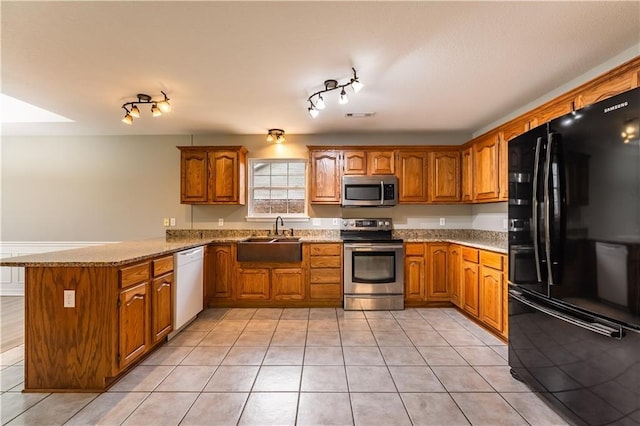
(442, 221)
(165, 221)
(336, 221)
(173, 221)
(69, 298)
(220, 222)
(316, 221)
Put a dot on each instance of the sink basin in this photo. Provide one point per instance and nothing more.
(270, 249)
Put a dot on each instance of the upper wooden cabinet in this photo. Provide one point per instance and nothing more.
(615, 84)
(355, 162)
(509, 131)
(380, 163)
(445, 176)
(212, 175)
(412, 176)
(550, 111)
(467, 175)
(325, 177)
(486, 169)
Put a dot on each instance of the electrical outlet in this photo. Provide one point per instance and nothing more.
(165, 221)
(316, 221)
(173, 221)
(336, 221)
(442, 221)
(220, 222)
(504, 224)
(69, 298)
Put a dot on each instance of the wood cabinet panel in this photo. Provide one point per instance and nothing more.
(135, 308)
(325, 249)
(445, 176)
(325, 275)
(414, 282)
(470, 287)
(253, 283)
(162, 307)
(325, 272)
(470, 254)
(326, 178)
(491, 294)
(193, 176)
(486, 156)
(325, 262)
(287, 284)
(550, 111)
(326, 292)
(612, 86)
(437, 288)
(355, 163)
(219, 263)
(224, 177)
(412, 176)
(467, 175)
(491, 259)
(162, 265)
(453, 274)
(134, 274)
(380, 163)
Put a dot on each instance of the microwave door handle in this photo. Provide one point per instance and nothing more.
(381, 192)
(534, 209)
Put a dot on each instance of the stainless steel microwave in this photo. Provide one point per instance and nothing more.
(369, 191)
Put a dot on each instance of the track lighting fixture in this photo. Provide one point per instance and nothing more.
(316, 101)
(157, 107)
(276, 135)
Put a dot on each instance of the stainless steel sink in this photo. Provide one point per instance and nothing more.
(270, 249)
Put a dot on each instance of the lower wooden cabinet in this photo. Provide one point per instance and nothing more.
(437, 276)
(492, 290)
(414, 272)
(453, 275)
(253, 283)
(287, 284)
(162, 306)
(325, 272)
(470, 281)
(134, 324)
(218, 273)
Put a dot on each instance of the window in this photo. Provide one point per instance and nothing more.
(277, 188)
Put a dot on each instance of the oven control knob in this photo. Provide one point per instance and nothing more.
(345, 222)
(386, 223)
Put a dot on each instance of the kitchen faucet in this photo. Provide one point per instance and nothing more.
(281, 223)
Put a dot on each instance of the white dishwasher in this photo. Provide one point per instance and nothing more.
(187, 287)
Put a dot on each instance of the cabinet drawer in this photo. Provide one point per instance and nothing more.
(134, 274)
(162, 266)
(324, 275)
(326, 262)
(491, 259)
(469, 254)
(325, 291)
(326, 249)
(414, 249)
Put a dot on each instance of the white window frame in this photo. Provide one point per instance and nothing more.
(252, 216)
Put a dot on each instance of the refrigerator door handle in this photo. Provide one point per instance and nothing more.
(534, 209)
(614, 331)
(548, 203)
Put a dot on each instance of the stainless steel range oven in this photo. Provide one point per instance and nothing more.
(373, 265)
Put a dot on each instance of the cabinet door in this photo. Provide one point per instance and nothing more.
(412, 176)
(547, 113)
(470, 288)
(380, 163)
(355, 163)
(223, 177)
(453, 275)
(486, 186)
(287, 284)
(193, 176)
(508, 132)
(325, 177)
(445, 176)
(162, 309)
(467, 175)
(603, 90)
(437, 286)
(218, 272)
(252, 283)
(491, 289)
(414, 278)
(134, 323)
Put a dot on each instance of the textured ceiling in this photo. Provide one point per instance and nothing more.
(244, 67)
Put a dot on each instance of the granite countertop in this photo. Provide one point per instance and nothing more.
(111, 254)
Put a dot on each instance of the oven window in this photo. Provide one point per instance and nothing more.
(374, 267)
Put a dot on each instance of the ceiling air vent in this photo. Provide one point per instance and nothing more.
(359, 114)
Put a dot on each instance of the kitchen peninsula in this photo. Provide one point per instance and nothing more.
(117, 308)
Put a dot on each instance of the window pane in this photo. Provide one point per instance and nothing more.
(278, 187)
(261, 194)
(296, 180)
(296, 168)
(262, 206)
(261, 181)
(278, 194)
(261, 168)
(296, 194)
(278, 168)
(279, 180)
(296, 206)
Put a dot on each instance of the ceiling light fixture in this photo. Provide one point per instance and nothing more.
(316, 101)
(157, 107)
(276, 135)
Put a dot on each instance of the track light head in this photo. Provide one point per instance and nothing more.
(157, 106)
(128, 119)
(313, 112)
(320, 105)
(343, 97)
(135, 112)
(155, 111)
(330, 85)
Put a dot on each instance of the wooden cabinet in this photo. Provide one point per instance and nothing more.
(253, 283)
(453, 274)
(325, 177)
(491, 290)
(552, 110)
(486, 157)
(612, 85)
(355, 163)
(287, 284)
(412, 176)
(414, 272)
(162, 298)
(212, 175)
(437, 277)
(218, 273)
(134, 328)
(445, 176)
(380, 163)
(507, 132)
(325, 272)
(467, 175)
(470, 283)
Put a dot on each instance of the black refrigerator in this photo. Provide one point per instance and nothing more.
(574, 261)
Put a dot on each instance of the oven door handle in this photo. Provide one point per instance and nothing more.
(370, 247)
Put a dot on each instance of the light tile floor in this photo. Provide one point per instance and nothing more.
(301, 366)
